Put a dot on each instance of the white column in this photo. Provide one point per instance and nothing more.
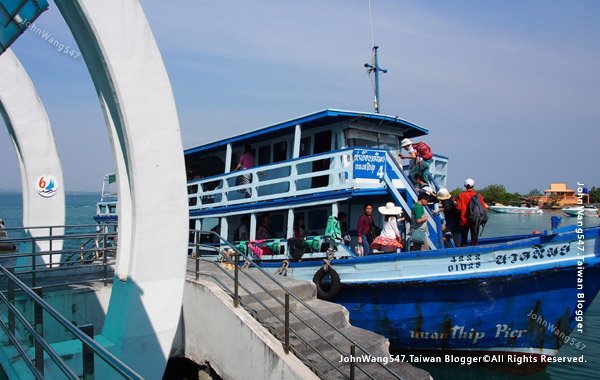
(290, 224)
(135, 93)
(297, 138)
(31, 134)
(228, 153)
(334, 209)
(253, 226)
(224, 228)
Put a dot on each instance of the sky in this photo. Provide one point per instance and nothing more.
(507, 89)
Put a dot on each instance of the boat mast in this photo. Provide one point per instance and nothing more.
(374, 67)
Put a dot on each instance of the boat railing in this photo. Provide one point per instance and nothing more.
(233, 259)
(295, 177)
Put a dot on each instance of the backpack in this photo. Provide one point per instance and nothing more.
(476, 212)
(423, 150)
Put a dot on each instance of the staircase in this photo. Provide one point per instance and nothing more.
(435, 239)
(320, 332)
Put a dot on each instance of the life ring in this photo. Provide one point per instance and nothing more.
(326, 290)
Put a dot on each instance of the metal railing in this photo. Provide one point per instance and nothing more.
(285, 321)
(93, 249)
(84, 334)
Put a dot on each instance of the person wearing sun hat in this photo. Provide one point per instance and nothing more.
(451, 215)
(421, 158)
(390, 239)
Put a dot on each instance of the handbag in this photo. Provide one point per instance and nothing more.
(418, 236)
(373, 233)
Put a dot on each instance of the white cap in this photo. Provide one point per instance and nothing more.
(469, 182)
(405, 142)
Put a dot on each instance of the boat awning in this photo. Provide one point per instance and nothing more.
(314, 120)
(15, 18)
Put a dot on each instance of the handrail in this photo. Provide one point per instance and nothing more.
(283, 287)
(226, 182)
(102, 352)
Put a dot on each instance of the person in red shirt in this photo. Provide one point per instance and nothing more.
(467, 224)
(365, 221)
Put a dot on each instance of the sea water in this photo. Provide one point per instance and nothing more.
(81, 210)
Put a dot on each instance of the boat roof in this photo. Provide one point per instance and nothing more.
(313, 120)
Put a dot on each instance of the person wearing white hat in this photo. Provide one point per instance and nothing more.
(421, 158)
(451, 215)
(390, 239)
(466, 223)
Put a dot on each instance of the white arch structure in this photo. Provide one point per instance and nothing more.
(136, 97)
(31, 134)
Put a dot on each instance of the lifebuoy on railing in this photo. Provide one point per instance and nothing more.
(328, 283)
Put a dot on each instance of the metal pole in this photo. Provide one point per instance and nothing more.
(87, 354)
(352, 355)
(38, 324)
(33, 258)
(286, 344)
(50, 233)
(197, 238)
(11, 299)
(236, 299)
(104, 259)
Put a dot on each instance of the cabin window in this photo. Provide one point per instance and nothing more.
(264, 155)
(280, 151)
(358, 137)
(317, 220)
(305, 146)
(388, 141)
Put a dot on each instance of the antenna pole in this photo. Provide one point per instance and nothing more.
(374, 68)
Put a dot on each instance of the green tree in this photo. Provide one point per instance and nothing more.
(495, 193)
(595, 195)
(534, 193)
(456, 191)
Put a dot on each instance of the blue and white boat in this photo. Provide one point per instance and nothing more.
(517, 294)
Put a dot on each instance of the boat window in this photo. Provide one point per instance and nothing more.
(264, 155)
(388, 141)
(357, 137)
(280, 151)
(317, 220)
(305, 146)
(278, 224)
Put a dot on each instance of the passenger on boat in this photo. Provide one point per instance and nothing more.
(451, 217)
(466, 223)
(341, 217)
(299, 228)
(242, 232)
(365, 222)
(264, 231)
(390, 239)
(246, 162)
(421, 158)
(418, 228)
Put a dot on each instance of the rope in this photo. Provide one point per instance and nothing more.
(282, 271)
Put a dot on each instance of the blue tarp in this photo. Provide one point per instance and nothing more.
(15, 16)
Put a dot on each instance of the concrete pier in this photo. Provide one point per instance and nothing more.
(236, 342)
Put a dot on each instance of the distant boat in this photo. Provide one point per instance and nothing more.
(516, 209)
(587, 210)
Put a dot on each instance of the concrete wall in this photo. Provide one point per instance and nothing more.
(230, 339)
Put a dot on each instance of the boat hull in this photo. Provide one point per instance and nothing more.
(522, 296)
(530, 314)
(516, 210)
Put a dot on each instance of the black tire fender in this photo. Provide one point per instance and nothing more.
(327, 291)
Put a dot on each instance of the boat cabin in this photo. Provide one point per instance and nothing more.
(305, 169)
